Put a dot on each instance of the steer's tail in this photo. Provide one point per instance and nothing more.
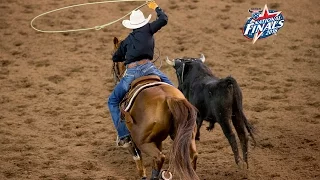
(237, 106)
(239, 120)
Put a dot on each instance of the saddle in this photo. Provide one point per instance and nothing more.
(136, 86)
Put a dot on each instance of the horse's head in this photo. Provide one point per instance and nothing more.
(118, 68)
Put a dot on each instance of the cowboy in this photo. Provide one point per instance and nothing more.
(136, 50)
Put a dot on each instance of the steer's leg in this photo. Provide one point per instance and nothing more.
(227, 130)
(199, 124)
(239, 125)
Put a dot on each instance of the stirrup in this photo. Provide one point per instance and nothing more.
(124, 143)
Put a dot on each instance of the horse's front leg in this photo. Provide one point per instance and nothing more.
(193, 149)
(136, 154)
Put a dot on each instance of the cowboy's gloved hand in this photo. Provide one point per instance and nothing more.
(152, 5)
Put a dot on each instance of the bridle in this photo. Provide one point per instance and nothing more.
(116, 72)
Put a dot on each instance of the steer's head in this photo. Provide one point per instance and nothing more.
(183, 66)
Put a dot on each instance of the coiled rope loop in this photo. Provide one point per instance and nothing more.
(84, 4)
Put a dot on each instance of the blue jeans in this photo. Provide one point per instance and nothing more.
(123, 87)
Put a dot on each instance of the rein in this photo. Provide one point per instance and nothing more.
(116, 74)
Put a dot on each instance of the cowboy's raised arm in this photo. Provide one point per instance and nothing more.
(162, 18)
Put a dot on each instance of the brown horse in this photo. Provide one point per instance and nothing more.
(158, 112)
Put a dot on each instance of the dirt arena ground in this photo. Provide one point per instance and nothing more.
(54, 123)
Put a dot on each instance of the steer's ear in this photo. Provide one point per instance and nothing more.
(115, 40)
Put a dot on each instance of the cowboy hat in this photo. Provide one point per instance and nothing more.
(137, 20)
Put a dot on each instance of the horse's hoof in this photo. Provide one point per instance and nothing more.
(242, 165)
(166, 175)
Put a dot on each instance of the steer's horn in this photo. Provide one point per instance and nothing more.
(171, 63)
(202, 58)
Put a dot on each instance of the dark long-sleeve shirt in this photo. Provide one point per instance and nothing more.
(140, 42)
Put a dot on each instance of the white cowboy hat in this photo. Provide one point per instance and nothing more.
(137, 20)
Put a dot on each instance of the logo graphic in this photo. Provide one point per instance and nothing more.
(262, 23)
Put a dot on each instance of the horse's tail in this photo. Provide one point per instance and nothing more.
(237, 106)
(184, 115)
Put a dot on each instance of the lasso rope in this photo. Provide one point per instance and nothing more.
(84, 4)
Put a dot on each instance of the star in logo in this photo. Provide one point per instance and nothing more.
(264, 15)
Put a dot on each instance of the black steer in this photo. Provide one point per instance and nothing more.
(217, 100)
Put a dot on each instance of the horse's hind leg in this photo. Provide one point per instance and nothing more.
(227, 130)
(243, 137)
(158, 158)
